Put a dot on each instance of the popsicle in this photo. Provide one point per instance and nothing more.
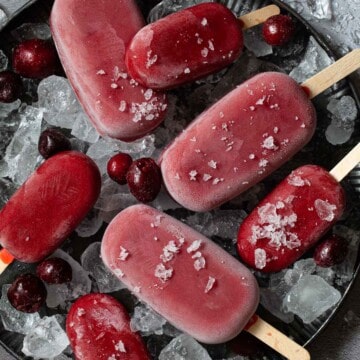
(294, 216)
(98, 328)
(189, 44)
(188, 279)
(245, 136)
(91, 37)
(48, 207)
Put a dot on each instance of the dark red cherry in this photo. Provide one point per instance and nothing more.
(118, 166)
(11, 86)
(278, 30)
(52, 141)
(331, 251)
(54, 271)
(35, 58)
(144, 179)
(27, 293)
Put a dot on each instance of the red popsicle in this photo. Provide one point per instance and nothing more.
(91, 37)
(49, 206)
(188, 279)
(189, 44)
(98, 329)
(294, 216)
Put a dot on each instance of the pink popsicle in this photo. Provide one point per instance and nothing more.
(238, 141)
(91, 37)
(185, 46)
(188, 279)
(49, 206)
(98, 328)
(291, 219)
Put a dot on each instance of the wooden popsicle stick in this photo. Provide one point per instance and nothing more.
(333, 73)
(258, 16)
(5, 260)
(346, 164)
(277, 340)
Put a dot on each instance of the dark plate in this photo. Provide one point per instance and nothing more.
(318, 151)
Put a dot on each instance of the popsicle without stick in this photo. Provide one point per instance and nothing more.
(196, 285)
(189, 44)
(245, 136)
(294, 216)
(48, 207)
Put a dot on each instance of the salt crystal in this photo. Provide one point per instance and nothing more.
(123, 254)
(207, 177)
(120, 347)
(163, 273)
(204, 22)
(260, 258)
(269, 143)
(195, 245)
(210, 284)
(193, 174)
(187, 71)
(204, 52)
(169, 251)
(325, 210)
(212, 164)
(122, 106)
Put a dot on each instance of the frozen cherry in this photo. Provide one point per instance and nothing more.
(52, 141)
(11, 86)
(54, 271)
(144, 179)
(35, 58)
(27, 293)
(278, 30)
(118, 166)
(331, 251)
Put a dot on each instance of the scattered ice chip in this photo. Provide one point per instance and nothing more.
(147, 321)
(83, 129)
(320, 9)
(184, 347)
(91, 262)
(90, 225)
(45, 340)
(3, 61)
(59, 102)
(311, 297)
(314, 60)
(13, 320)
(22, 154)
(62, 294)
(29, 31)
(254, 42)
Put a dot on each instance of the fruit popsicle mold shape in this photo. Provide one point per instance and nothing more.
(98, 327)
(188, 279)
(294, 216)
(49, 206)
(91, 37)
(189, 44)
(245, 136)
(238, 141)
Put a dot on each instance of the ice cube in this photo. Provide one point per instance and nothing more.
(314, 60)
(3, 61)
(84, 130)
(46, 340)
(13, 320)
(62, 294)
(3, 18)
(59, 102)
(184, 347)
(254, 41)
(311, 297)
(147, 321)
(91, 261)
(29, 31)
(7, 189)
(7, 108)
(320, 9)
(90, 225)
(305, 266)
(336, 135)
(22, 154)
